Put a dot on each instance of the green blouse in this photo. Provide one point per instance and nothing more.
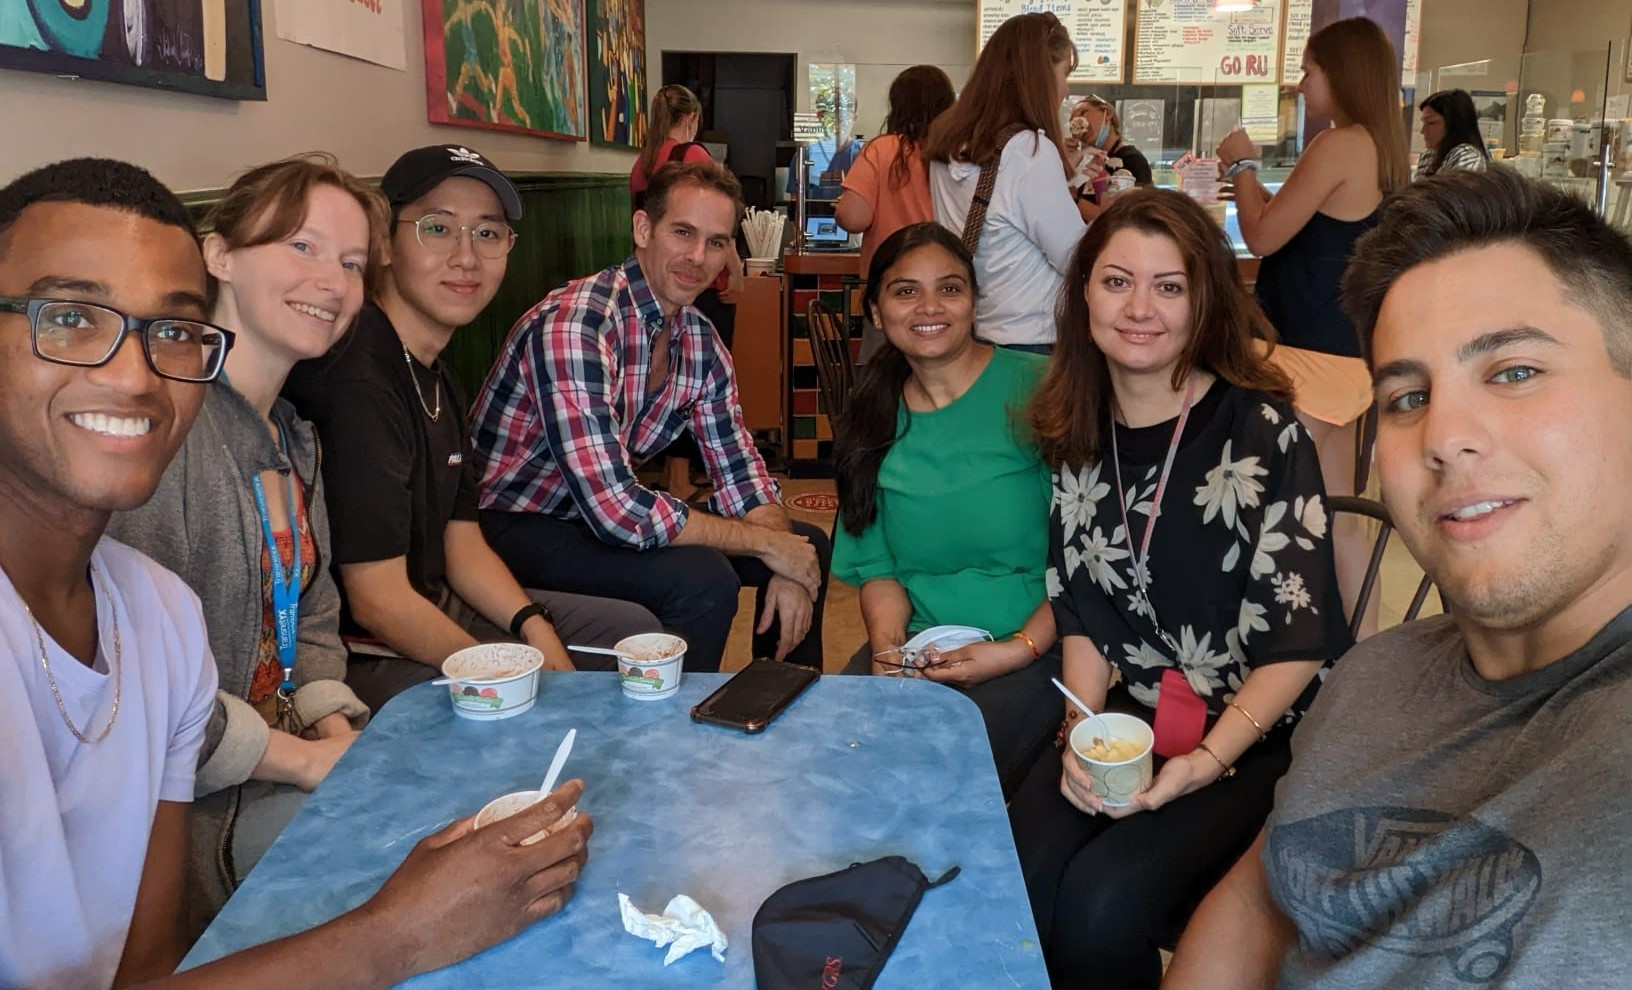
(962, 507)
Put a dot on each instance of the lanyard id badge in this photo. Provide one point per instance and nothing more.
(1181, 715)
(285, 590)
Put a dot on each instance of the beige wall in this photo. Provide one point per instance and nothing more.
(1580, 24)
(364, 113)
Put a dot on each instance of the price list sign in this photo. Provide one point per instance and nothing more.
(1189, 41)
(1097, 27)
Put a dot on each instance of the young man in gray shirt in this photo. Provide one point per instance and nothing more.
(1456, 815)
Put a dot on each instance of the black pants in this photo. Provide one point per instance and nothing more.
(692, 590)
(1021, 709)
(1107, 894)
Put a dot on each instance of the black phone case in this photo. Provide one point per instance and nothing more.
(773, 704)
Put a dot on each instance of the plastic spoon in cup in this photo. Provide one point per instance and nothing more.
(560, 760)
(1105, 732)
(602, 650)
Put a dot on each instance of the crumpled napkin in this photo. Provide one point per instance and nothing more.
(683, 926)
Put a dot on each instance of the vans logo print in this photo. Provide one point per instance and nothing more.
(831, 971)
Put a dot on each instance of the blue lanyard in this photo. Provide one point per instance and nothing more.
(285, 592)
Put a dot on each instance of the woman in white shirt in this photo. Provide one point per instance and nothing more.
(1006, 123)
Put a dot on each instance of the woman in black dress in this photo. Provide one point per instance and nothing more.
(1190, 576)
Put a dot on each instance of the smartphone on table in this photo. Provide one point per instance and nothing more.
(756, 695)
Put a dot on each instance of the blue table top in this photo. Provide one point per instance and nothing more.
(856, 769)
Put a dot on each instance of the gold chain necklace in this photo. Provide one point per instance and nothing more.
(118, 675)
(413, 376)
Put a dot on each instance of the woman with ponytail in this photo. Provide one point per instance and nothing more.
(944, 500)
(671, 136)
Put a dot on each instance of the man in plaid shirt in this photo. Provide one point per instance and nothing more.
(606, 372)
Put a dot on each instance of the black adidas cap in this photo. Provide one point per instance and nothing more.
(419, 171)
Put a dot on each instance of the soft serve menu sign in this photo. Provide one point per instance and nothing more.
(1191, 42)
(1099, 28)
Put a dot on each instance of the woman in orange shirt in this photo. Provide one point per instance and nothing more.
(888, 186)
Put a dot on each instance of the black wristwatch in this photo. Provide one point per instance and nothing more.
(527, 612)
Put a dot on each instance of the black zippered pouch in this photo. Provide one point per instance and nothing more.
(835, 932)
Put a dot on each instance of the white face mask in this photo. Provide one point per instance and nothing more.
(943, 639)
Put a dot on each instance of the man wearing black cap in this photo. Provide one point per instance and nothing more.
(417, 577)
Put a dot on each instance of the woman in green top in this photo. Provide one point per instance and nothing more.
(944, 504)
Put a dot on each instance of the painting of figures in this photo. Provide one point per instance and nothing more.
(617, 72)
(509, 65)
(209, 47)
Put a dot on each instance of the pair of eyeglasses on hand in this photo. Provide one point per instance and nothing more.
(904, 662)
(87, 335)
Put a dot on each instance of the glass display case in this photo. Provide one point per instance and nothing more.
(1558, 116)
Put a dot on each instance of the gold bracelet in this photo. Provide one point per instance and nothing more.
(1036, 654)
(1262, 735)
(1229, 771)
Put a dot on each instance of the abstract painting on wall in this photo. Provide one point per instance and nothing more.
(209, 47)
(617, 72)
(508, 65)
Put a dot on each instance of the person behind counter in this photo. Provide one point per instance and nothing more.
(1450, 129)
(1101, 140)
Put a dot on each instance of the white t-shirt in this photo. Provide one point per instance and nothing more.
(75, 818)
(1032, 226)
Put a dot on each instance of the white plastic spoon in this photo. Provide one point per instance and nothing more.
(602, 650)
(1105, 732)
(560, 760)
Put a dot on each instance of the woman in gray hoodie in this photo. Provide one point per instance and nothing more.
(239, 514)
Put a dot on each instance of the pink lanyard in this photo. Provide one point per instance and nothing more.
(1143, 556)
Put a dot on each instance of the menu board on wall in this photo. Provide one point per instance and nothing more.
(1099, 28)
(1187, 41)
(1299, 13)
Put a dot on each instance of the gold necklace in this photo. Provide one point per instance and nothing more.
(118, 677)
(413, 376)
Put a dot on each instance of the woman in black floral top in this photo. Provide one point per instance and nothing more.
(1219, 638)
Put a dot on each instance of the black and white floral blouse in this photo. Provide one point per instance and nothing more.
(1240, 571)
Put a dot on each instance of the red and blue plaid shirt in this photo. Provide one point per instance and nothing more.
(564, 416)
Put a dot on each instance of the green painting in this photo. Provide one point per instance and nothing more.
(509, 65)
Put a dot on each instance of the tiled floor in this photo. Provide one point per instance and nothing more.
(842, 630)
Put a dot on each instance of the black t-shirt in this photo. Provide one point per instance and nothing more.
(1134, 161)
(393, 477)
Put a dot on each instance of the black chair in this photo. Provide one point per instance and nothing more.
(1374, 567)
(1365, 441)
(830, 348)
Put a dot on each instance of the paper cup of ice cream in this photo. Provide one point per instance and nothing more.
(1118, 767)
(650, 665)
(493, 680)
(515, 803)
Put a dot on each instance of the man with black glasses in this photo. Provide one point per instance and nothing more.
(416, 574)
(106, 681)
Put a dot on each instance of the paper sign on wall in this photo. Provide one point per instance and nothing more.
(1189, 41)
(367, 29)
(1261, 112)
(1097, 27)
(1299, 15)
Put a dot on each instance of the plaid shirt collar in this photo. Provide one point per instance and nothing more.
(647, 309)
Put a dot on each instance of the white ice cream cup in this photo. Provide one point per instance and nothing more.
(515, 803)
(493, 680)
(651, 666)
(1115, 783)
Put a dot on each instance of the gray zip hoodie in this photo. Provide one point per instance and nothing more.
(202, 523)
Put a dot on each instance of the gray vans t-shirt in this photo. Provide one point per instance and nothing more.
(1438, 830)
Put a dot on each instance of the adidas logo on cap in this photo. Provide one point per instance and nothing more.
(463, 154)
